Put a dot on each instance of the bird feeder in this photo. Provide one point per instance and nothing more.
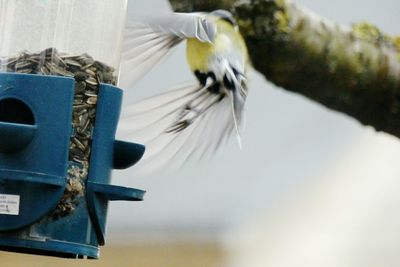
(59, 109)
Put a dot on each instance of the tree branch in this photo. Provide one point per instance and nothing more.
(353, 70)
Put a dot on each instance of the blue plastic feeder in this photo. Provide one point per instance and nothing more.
(35, 131)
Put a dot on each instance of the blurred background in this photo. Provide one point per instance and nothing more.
(311, 187)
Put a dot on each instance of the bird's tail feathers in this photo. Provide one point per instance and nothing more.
(238, 98)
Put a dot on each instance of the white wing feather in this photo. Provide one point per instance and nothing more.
(150, 122)
(149, 40)
(185, 25)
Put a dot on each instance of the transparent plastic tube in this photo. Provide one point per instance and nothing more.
(63, 27)
(80, 39)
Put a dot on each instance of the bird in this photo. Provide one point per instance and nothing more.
(193, 119)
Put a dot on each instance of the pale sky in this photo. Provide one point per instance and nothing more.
(290, 144)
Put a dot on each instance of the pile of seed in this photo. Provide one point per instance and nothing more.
(88, 74)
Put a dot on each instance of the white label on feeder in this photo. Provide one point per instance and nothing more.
(9, 204)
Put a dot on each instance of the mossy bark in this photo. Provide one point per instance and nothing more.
(355, 70)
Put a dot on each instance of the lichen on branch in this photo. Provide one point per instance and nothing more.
(354, 70)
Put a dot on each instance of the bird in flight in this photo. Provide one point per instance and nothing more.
(194, 118)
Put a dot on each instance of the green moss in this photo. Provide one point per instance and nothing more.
(372, 34)
(246, 26)
(281, 3)
(263, 18)
(366, 31)
(281, 16)
(396, 43)
(282, 21)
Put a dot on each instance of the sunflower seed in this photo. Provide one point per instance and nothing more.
(92, 100)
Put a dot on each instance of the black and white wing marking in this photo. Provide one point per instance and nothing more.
(182, 124)
(147, 41)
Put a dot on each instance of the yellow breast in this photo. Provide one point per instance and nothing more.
(198, 53)
(227, 38)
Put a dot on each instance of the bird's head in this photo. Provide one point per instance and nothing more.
(224, 15)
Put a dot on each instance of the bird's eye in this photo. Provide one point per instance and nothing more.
(224, 15)
(230, 20)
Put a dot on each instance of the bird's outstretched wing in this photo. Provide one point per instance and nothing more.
(185, 123)
(148, 40)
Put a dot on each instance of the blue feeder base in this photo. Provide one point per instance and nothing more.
(49, 248)
(34, 172)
